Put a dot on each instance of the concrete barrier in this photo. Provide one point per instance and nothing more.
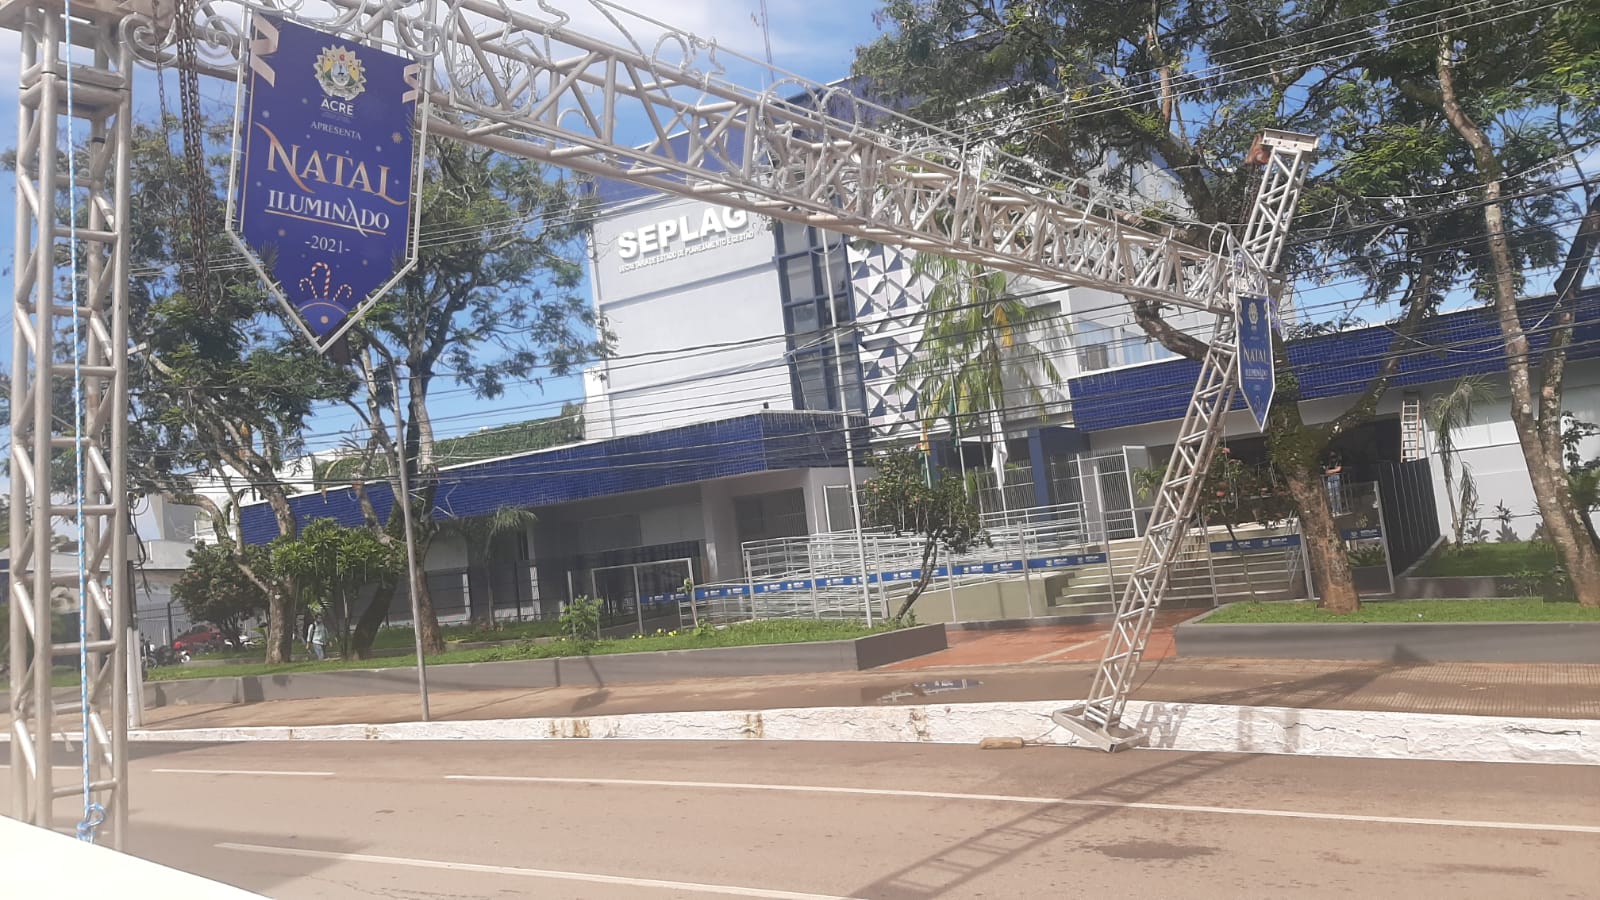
(666, 665)
(1512, 642)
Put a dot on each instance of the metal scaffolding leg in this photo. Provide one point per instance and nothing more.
(1098, 720)
(42, 406)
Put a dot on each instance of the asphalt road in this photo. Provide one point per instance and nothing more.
(788, 820)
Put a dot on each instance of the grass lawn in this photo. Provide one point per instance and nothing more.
(1409, 611)
(401, 639)
(391, 638)
(1490, 559)
(744, 634)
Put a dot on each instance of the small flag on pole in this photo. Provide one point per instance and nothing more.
(999, 451)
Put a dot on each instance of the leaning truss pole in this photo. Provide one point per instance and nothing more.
(1098, 720)
(42, 406)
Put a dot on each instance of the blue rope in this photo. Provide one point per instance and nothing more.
(93, 813)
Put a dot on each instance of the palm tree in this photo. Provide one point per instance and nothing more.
(480, 532)
(974, 343)
(1447, 414)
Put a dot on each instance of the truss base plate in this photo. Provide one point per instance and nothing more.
(1109, 738)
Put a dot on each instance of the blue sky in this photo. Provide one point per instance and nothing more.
(812, 38)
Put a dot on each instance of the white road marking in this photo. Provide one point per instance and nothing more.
(1065, 650)
(587, 877)
(1045, 801)
(242, 772)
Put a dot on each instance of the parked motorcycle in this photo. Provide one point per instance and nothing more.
(153, 655)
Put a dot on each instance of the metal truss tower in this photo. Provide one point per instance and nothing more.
(522, 79)
(44, 433)
(1098, 720)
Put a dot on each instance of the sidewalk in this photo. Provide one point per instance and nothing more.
(1550, 691)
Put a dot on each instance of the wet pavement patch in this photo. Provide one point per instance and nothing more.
(920, 689)
(1153, 850)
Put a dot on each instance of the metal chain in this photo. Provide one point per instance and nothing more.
(171, 201)
(194, 151)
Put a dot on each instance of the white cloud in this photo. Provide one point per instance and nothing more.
(815, 39)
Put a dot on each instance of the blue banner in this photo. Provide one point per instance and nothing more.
(838, 581)
(1361, 534)
(1066, 562)
(325, 186)
(1254, 544)
(781, 587)
(1257, 380)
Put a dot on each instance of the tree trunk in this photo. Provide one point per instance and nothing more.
(280, 627)
(281, 603)
(1325, 553)
(480, 591)
(371, 619)
(432, 638)
(424, 480)
(1541, 452)
(1588, 525)
(922, 582)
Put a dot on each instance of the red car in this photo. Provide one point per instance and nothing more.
(199, 638)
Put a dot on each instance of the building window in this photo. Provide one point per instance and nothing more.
(762, 517)
(1093, 357)
(609, 532)
(802, 279)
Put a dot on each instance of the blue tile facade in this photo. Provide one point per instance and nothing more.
(1446, 348)
(758, 443)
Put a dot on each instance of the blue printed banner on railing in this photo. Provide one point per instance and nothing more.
(1361, 534)
(779, 587)
(660, 599)
(795, 585)
(1249, 545)
(325, 191)
(898, 575)
(1066, 562)
(838, 581)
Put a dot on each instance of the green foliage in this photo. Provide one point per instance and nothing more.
(490, 443)
(1583, 475)
(906, 498)
(1490, 559)
(580, 621)
(975, 342)
(1235, 493)
(1408, 611)
(900, 498)
(330, 564)
(1446, 414)
(1368, 555)
(216, 589)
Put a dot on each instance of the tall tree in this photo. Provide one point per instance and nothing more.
(1142, 95)
(495, 298)
(1515, 95)
(221, 387)
(214, 588)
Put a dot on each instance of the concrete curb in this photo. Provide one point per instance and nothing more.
(1201, 728)
(1493, 642)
